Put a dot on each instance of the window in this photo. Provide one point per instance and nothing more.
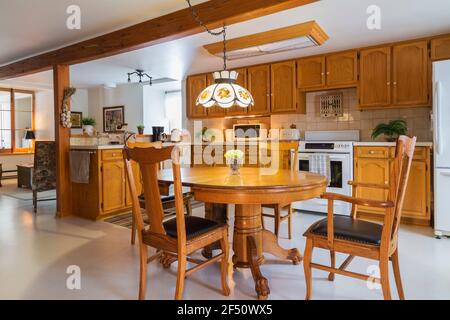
(5, 120)
(16, 117)
(173, 108)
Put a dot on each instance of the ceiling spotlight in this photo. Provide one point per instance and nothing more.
(141, 74)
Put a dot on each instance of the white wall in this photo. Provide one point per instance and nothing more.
(44, 115)
(80, 103)
(153, 107)
(129, 96)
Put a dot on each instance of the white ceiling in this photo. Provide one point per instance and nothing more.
(343, 20)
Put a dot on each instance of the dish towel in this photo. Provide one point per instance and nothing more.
(80, 162)
(320, 163)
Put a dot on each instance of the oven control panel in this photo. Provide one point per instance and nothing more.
(325, 146)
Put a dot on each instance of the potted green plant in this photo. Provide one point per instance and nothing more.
(141, 128)
(88, 125)
(234, 158)
(391, 130)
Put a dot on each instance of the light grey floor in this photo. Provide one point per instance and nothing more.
(35, 253)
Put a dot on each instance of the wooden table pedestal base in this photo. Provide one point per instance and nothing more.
(250, 241)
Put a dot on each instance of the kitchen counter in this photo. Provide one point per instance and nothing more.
(97, 147)
(387, 144)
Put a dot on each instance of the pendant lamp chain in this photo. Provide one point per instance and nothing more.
(224, 92)
(223, 32)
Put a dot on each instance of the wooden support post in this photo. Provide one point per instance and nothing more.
(61, 80)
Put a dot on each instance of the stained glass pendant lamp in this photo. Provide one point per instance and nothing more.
(224, 93)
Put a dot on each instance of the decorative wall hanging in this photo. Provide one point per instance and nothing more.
(75, 118)
(113, 117)
(331, 105)
(65, 117)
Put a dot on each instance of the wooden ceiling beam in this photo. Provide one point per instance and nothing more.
(169, 27)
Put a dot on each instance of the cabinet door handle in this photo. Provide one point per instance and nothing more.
(388, 83)
(395, 83)
(372, 152)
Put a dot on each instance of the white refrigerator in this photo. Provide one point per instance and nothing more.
(441, 119)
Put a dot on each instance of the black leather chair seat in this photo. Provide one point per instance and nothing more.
(195, 226)
(168, 198)
(349, 229)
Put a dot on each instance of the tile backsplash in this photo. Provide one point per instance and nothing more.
(418, 119)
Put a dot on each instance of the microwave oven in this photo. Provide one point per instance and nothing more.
(256, 131)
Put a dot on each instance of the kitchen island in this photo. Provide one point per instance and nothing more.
(107, 192)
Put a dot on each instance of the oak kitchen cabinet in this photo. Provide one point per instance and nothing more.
(256, 154)
(258, 83)
(373, 165)
(108, 191)
(410, 74)
(328, 71)
(375, 77)
(194, 86)
(391, 76)
(342, 69)
(273, 87)
(283, 87)
(311, 72)
(440, 48)
(395, 76)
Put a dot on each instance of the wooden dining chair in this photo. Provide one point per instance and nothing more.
(168, 200)
(348, 235)
(288, 157)
(179, 237)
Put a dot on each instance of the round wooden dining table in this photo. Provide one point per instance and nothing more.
(248, 191)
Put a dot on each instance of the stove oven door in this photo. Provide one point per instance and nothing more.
(341, 169)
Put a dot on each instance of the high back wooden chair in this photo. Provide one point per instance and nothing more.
(354, 237)
(288, 158)
(168, 200)
(44, 172)
(178, 237)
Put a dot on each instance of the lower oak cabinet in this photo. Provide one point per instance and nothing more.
(373, 165)
(108, 190)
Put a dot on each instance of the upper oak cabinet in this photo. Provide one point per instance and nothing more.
(342, 69)
(214, 111)
(375, 77)
(311, 72)
(283, 87)
(258, 83)
(242, 81)
(410, 74)
(195, 85)
(440, 48)
(330, 71)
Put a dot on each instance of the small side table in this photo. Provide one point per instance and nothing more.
(25, 176)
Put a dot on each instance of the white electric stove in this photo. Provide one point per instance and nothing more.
(339, 146)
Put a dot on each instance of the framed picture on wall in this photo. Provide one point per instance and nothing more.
(112, 118)
(75, 118)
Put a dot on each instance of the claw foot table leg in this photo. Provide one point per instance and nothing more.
(270, 245)
(261, 283)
